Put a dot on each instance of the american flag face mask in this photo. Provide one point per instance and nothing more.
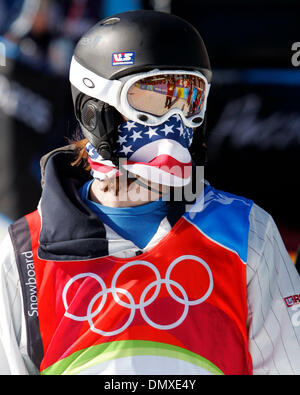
(159, 154)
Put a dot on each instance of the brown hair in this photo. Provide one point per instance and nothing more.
(81, 156)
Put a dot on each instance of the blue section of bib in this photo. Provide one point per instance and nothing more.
(224, 218)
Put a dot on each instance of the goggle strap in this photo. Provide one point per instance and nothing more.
(94, 85)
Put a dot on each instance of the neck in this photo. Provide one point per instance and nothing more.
(119, 192)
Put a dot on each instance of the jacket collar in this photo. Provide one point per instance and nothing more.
(70, 231)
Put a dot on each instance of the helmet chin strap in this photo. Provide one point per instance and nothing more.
(136, 179)
(146, 186)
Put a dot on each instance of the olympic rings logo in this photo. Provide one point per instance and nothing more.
(143, 303)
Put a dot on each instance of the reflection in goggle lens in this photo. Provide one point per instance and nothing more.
(158, 94)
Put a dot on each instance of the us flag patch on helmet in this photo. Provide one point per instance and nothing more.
(121, 58)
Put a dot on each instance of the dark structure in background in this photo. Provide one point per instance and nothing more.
(253, 109)
(35, 116)
(36, 111)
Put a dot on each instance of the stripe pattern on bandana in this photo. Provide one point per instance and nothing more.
(159, 153)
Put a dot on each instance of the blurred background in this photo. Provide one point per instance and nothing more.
(253, 110)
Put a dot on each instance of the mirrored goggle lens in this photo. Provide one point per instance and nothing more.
(159, 94)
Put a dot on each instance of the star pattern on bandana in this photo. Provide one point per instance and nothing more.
(167, 129)
(133, 135)
(136, 135)
(126, 150)
(122, 139)
(129, 125)
(151, 132)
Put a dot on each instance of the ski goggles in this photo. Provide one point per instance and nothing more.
(148, 98)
